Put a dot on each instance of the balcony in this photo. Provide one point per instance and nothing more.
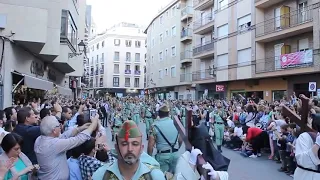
(186, 57)
(101, 71)
(266, 3)
(97, 72)
(127, 71)
(137, 72)
(186, 13)
(127, 85)
(204, 51)
(286, 64)
(203, 75)
(91, 73)
(287, 25)
(101, 84)
(186, 78)
(186, 35)
(201, 5)
(203, 25)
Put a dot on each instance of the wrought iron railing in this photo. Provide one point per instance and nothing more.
(286, 21)
(127, 71)
(101, 84)
(202, 75)
(186, 10)
(186, 55)
(186, 33)
(126, 84)
(290, 61)
(203, 21)
(101, 71)
(137, 72)
(208, 46)
(186, 77)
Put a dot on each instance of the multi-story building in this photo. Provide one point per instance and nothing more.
(169, 54)
(116, 60)
(39, 46)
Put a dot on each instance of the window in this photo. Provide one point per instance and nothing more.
(102, 69)
(160, 74)
(117, 42)
(244, 23)
(102, 44)
(166, 53)
(128, 43)
(173, 51)
(116, 69)
(137, 57)
(97, 81)
(223, 31)
(173, 31)
(127, 82)
(153, 42)
(138, 44)
(173, 71)
(136, 82)
(116, 81)
(303, 44)
(167, 33)
(137, 68)
(160, 56)
(102, 57)
(101, 81)
(222, 61)
(166, 71)
(128, 67)
(167, 13)
(92, 61)
(223, 4)
(68, 28)
(97, 61)
(161, 20)
(161, 38)
(244, 57)
(116, 56)
(173, 11)
(128, 56)
(97, 46)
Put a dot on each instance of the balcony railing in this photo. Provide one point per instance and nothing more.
(286, 21)
(186, 33)
(101, 84)
(97, 72)
(127, 71)
(203, 21)
(202, 75)
(186, 77)
(91, 73)
(287, 61)
(127, 85)
(116, 59)
(137, 72)
(186, 55)
(101, 71)
(136, 85)
(208, 46)
(186, 10)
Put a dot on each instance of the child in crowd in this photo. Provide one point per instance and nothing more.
(292, 136)
(282, 145)
(246, 150)
(227, 137)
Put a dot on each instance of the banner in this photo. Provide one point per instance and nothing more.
(296, 59)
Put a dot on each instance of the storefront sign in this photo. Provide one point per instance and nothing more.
(37, 68)
(219, 88)
(52, 75)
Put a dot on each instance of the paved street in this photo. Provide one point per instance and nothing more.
(240, 168)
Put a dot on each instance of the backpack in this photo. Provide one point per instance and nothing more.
(108, 175)
(242, 118)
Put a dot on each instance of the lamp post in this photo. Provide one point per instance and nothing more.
(82, 49)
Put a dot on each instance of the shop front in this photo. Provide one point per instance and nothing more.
(211, 91)
(270, 89)
(300, 84)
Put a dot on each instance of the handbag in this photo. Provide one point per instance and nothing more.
(211, 132)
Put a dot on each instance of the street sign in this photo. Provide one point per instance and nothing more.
(312, 86)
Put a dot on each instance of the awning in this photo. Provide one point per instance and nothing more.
(64, 91)
(36, 83)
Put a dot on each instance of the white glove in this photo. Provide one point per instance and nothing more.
(194, 156)
(213, 174)
(318, 139)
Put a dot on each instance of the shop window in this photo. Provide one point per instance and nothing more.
(278, 95)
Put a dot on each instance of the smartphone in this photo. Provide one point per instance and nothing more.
(86, 115)
(93, 113)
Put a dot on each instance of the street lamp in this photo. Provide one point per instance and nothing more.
(82, 49)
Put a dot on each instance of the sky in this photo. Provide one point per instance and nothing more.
(107, 13)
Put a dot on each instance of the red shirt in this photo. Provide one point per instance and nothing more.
(252, 133)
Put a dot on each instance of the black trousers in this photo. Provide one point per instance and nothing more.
(236, 142)
(258, 142)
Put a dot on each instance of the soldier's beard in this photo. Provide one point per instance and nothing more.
(130, 159)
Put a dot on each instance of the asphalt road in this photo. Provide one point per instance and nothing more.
(240, 168)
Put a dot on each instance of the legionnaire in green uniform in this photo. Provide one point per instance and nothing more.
(218, 118)
(183, 112)
(136, 113)
(148, 118)
(165, 137)
(129, 148)
(117, 121)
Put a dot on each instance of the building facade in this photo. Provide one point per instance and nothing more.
(269, 48)
(38, 52)
(116, 61)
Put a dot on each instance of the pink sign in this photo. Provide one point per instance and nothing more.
(296, 59)
(219, 88)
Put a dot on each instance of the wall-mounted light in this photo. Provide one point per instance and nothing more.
(82, 49)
